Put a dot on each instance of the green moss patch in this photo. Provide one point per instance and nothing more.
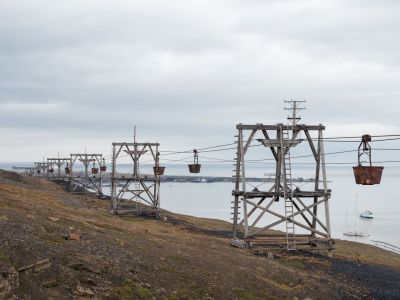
(132, 290)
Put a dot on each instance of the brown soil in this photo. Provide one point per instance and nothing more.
(115, 257)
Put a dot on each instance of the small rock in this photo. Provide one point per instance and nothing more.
(42, 267)
(72, 236)
(82, 291)
(87, 280)
(9, 280)
(84, 267)
(4, 287)
(50, 283)
(54, 219)
(37, 267)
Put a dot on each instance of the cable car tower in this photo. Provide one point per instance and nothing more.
(84, 181)
(26, 171)
(133, 191)
(43, 169)
(59, 163)
(282, 205)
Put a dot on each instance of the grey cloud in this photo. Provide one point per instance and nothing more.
(186, 72)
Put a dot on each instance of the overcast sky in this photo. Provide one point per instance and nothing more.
(82, 73)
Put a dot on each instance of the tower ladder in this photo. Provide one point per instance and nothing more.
(235, 165)
(287, 190)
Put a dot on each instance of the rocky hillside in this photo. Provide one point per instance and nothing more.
(53, 246)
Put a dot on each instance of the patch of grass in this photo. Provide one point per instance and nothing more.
(104, 226)
(132, 290)
(133, 219)
(51, 238)
(185, 294)
(178, 259)
(292, 263)
(5, 258)
(246, 295)
(103, 213)
(243, 294)
(366, 254)
(168, 270)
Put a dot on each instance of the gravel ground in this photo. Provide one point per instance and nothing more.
(138, 258)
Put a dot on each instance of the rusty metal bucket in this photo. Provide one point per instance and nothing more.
(51, 171)
(103, 168)
(67, 170)
(194, 168)
(367, 175)
(95, 170)
(158, 171)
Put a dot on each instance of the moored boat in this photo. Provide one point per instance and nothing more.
(355, 233)
(367, 215)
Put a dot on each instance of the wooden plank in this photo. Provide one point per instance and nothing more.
(310, 142)
(305, 194)
(252, 134)
(137, 144)
(276, 127)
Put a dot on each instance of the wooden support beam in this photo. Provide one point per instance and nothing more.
(311, 143)
(276, 127)
(265, 133)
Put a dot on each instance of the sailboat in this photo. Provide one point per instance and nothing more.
(367, 214)
(354, 232)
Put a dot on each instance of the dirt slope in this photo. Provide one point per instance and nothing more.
(181, 258)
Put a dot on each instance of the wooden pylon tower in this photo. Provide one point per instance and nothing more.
(59, 173)
(135, 191)
(42, 169)
(301, 216)
(89, 178)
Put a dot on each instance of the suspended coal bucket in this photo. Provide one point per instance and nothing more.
(103, 168)
(94, 169)
(67, 169)
(158, 170)
(51, 170)
(366, 175)
(195, 167)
